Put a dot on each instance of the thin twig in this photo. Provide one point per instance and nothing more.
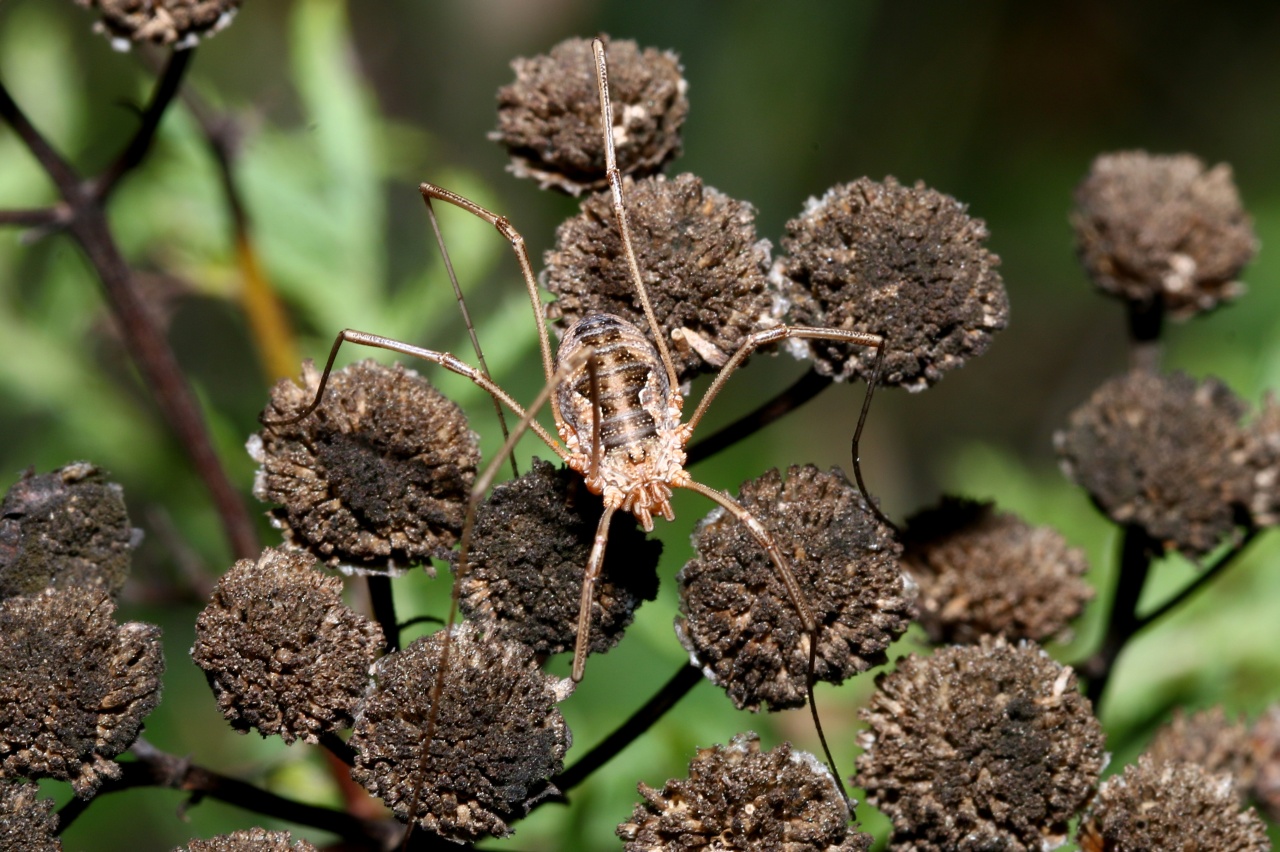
(1137, 550)
(1206, 576)
(809, 385)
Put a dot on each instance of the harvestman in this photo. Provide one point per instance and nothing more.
(616, 404)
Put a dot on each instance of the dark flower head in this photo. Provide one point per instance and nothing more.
(498, 735)
(280, 649)
(1157, 805)
(906, 262)
(984, 746)
(1208, 739)
(1165, 453)
(74, 686)
(737, 619)
(65, 529)
(1163, 229)
(983, 572)
(704, 267)
(179, 24)
(738, 798)
(27, 822)
(528, 555)
(377, 477)
(549, 118)
(251, 840)
(1264, 439)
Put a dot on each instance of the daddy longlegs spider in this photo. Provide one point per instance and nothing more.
(616, 404)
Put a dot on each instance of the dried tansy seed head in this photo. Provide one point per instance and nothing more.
(498, 736)
(906, 262)
(1163, 229)
(1165, 453)
(983, 572)
(27, 822)
(174, 23)
(984, 746)
(1264, 746)
(529, 552)
(549, 118)
(705, 269)
(1264, 440)
(737, 620)
(64, 529)
(740, 798)
(1209, 740)
(281, 651)
(251, 840)
(1155, 806)
(74, 686)
(377, 477)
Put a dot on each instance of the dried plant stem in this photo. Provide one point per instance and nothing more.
(1137, 551)
(809, 385)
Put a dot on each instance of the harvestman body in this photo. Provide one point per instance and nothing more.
(616, 404)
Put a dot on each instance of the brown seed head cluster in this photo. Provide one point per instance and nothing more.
(377, 477)
(27, 822)
(1158, 805)
(498, 737)
(1264, 748)
(281, 651)
(179, 24)
(1210, 740)
(738, 798)
(528, 554)
(984, 746)
(1165, 453)
(68, 528)
(252, 840)
(983, 572)
(1264, 437)
(74, 686)
(737, 619)
(549, 118)
(705, 269)
(1163, 229)
(906, 262)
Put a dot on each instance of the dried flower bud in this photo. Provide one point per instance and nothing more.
(179, 24)
(1210, 741)
(498, 735)
(528, 555)
(1264, 746)
(986, 573)
(1161, 228)
(704, 268)
(549, 118)
(74, 686)
(377, 477)
(281, 651)
(1155, 805)
(906, 262)
(1165, 453)
(27, 822)
(251, 840)
(64, 529)
(984, 746)
(739, 798)
(739, 623)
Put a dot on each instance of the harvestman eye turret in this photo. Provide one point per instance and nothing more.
(617, 409)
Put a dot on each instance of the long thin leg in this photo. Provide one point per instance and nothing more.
(594, 565)
(444, 359)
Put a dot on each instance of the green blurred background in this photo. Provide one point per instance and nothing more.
(346, 106)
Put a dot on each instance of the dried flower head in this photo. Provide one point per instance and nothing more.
(251, 840)
(984, 746)
(74, 686)
(737, 620)
(1264, 439)
(529, 552)
(1209, 740)
(906, 262)
(549, 118)
(1165, 453)
(64, 529)
(705, 269)
(740, 798)
(498, 735)
(983, 572)
(179, 24)
(1161, 228)
(377, 477)
(1264, 746)
(281, 651)
(27, 822)
(1155, 805)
